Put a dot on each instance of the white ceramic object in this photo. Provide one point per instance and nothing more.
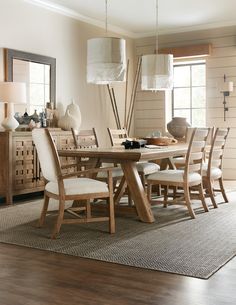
(71, 119)
(75, 111)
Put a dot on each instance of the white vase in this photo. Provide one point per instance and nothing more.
(72, 118)
(75, 111)
(68, 121)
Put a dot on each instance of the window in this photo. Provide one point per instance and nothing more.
(189, 92)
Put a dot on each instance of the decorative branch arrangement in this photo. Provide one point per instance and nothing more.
(127, 115)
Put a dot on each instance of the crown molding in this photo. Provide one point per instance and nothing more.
(73, 14)
(118, 30)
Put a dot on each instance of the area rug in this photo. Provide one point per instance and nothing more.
(174, 243)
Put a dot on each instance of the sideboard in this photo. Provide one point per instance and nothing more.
(20, 171)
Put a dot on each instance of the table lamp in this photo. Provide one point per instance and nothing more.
(12, 93)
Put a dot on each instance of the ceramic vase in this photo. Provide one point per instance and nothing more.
(71, 119)
(177, 127)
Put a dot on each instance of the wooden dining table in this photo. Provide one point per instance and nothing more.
(128, 158)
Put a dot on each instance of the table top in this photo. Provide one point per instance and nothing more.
(121, 154)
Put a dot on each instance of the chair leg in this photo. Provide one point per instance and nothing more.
(202, 198)
(59, 219)
(88, 208)
(120, 191)
(211, 193)
(188, 201)
(43, 212)
(143, 179)
(223, 190)
(166, 189)
(149, 192)
(111, 215)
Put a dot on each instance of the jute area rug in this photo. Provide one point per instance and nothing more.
(174, 243)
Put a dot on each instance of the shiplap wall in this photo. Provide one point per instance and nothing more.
(150, 107)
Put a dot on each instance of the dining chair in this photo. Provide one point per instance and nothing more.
(73, 186)
(185, 178)
(88, 139)
(117, 136)
(212, 168)
(180, 160)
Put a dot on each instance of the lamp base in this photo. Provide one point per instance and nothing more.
(10, 123)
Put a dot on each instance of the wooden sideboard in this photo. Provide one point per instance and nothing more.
(19, 166)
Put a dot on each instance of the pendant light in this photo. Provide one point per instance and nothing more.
(157, 69)
(106, 59)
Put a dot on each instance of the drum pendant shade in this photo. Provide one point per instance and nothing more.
(106, 60)
(157, 69)
(157, 72)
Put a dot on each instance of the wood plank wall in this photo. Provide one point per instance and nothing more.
(150, 106)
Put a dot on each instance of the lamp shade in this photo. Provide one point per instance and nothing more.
(13, 92)
(227, 87)
(157, 72)
(106, 60)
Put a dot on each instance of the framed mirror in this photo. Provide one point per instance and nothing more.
(39, 74)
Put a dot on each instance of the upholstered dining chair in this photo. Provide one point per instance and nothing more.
(73, 186)
(212, 168)
(179, 162)
(117, 136)
(185, 178)
(88, 139)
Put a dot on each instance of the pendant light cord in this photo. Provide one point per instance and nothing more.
(156, 51)
(106, 15)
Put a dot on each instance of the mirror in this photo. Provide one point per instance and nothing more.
(39, 74)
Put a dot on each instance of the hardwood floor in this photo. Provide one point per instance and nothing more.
(36, 277)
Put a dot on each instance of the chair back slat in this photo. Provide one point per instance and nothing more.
(219, 142)
(196, 149)
(217, 153)
(47, 153)
(85, 138)
(195, 167)
(217, 149)
(222, 132)
(195, 156)
(117, 136)
(216, 163)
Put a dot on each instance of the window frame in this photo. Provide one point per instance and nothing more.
(189, 64)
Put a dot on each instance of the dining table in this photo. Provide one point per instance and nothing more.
(127, 158)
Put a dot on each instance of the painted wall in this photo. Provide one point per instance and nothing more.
(30, 28)
(150, 110)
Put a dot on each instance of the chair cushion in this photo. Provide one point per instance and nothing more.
(147, 168)
(78, 186)
(116, 173)
(216, 172)
(179, 160)
(175, 175)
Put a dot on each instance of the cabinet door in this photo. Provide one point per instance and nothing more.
(24, 176)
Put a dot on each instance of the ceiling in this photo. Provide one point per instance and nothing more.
(137, 18)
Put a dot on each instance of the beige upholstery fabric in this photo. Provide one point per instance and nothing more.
(179, 160)
(216, 172)
(147, 167)
(175, 175)
(116, 173)
(45, 154)
(77, 186)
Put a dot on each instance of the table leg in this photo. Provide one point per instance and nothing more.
(137, 192)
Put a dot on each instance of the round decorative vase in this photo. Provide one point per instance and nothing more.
(75, 111)
(68, 121)
(71, 119)
(177, 127)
